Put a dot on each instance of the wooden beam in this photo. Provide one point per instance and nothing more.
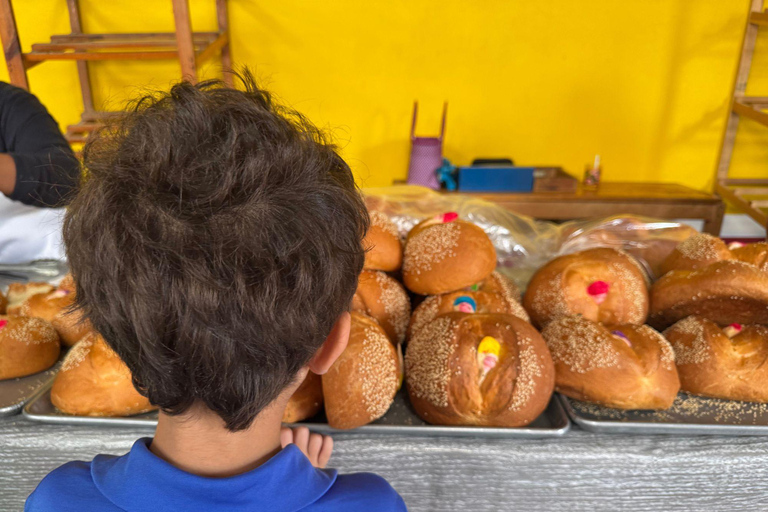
(213, 48)
(186, 50)
(102, 45)
(759, 18)
(154, 36)
(727, 194)
(751, 113)
(142, 55)
(12, 46)
(83, 74)
(226, 56)
(751, 191)
(746, 181)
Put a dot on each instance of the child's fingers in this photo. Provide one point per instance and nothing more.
(313, 448)
(286, 436)
(325, 452)
(301, 438)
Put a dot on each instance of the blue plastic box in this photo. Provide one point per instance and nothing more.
(491, 178)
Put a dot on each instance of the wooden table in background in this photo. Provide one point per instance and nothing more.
(662, 200)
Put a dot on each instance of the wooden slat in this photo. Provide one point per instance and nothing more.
(83, 127)
(83, 74)
(753, 101)
(751, 113)
(759, 204)
(759, 18)
(226, 56)
(213, 48)
(101, 45)
(758, 215)
(751, 191)
(154, 36)
(11, 46)
(186, 50)
(745, 181)
(42, 56)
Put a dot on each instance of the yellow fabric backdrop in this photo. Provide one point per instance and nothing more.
(642, 82)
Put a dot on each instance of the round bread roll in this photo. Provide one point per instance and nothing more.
(94, 381)
(27, 346)
(604, 285)
(624, 367)
(55, 307)
(487, 370)
(385, 300)
(382, 243)
(724, 292)
(721, 363)
(361, 384)
(19, 292)
(500, 285)
(755, 254)
(696, 252)
(446, 254)
(463, 302)
(306, 401)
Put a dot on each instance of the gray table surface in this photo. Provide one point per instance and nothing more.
(580, 471)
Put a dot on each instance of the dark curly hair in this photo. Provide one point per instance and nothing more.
(216, 239)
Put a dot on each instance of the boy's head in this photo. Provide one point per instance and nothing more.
(215, 242)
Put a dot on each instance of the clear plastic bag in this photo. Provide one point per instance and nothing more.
(524, 244)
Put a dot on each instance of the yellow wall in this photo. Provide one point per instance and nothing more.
(642, 82)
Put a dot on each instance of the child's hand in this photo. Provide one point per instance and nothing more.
(316, 447)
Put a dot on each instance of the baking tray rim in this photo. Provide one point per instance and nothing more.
(561, 417)
(653, 428)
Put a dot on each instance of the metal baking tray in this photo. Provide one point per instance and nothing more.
(401, 419)
(14, 393)
(689, 415)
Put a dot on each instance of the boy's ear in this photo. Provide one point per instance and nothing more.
(333, 345)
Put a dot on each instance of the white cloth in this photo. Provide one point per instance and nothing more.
(28, 233)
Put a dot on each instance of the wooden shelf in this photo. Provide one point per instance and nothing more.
(751, 200)
(89, 47)
(751, 112)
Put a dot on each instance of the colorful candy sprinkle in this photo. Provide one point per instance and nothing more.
(622, 336)
(465, 304)
(487, 355)
(732, 330)
(598, 291)
(450, 217)
(3, 323)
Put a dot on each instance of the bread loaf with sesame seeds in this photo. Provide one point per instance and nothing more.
(19, 292)
(384, 251)
(56, 307)
(725, 292)
(624, 366)
(464, 302)
(27, 346)
(755, 254)
(696, 252)
(500, 285)
(361, 384)
(94, 381)
(721, 363)
(603, 285)
(306, 401)
(385, 300)
(478, 369)
(445, 254)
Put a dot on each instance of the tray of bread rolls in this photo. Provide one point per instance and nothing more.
(32, 352)
(626, 314)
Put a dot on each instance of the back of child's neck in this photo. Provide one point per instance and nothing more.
(198, 442)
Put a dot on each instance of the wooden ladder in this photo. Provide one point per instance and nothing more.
(748, 195)
(190, 48)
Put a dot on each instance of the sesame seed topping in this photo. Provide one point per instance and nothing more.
(431, 246)
(530, 368)
(696, 351)
(380, 220)
(378, 373)
(77, 354)
(579, 344)
(396, 304)
(426, 361)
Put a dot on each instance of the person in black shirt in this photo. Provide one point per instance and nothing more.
(37, 166)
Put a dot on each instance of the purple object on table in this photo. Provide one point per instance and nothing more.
(426, 154)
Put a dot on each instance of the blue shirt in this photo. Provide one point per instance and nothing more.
(141, 481)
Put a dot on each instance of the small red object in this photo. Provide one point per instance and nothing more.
(738, 327)
(598, 288)
(3, 323)
(450, 217)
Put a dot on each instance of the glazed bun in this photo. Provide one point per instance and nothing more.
(463, 302)
(19, 292)
(361, 384)
(93, 381)
(603, 285)
(500, 285)
(487, 370)
(445, 254)
(385, 300)
(721, 363)
(382, 243)
(55, 307)
(306, 401)
(624, 367)
(755, 254)
(696, 252)
(724, 292)
(27, 346)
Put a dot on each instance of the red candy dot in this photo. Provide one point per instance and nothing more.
(450, 217)
(738, 327)
(598, 288)
(3, 323)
